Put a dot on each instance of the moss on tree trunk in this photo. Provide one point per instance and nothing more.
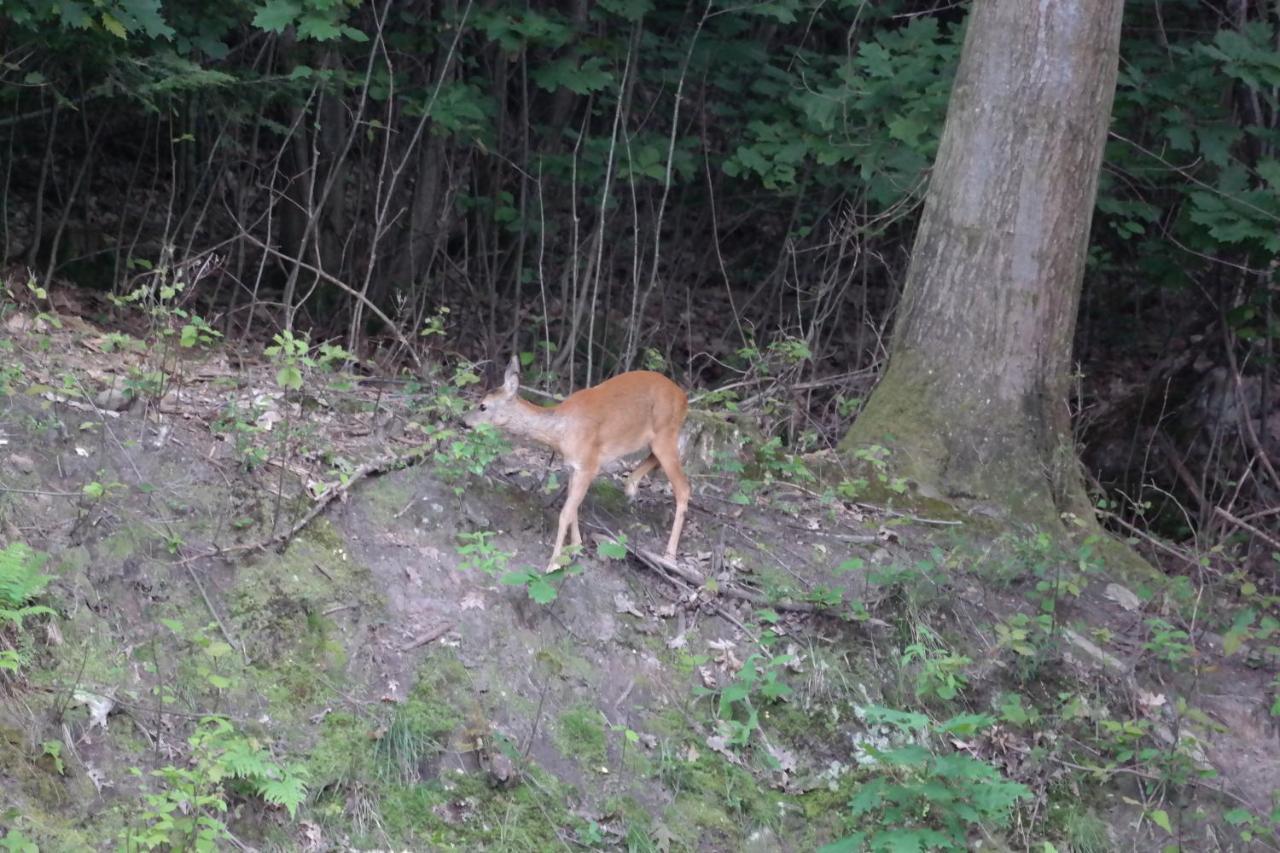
(974, 402)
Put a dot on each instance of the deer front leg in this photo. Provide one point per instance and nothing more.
(579, 482)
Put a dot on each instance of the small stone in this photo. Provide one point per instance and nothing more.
(1123, 596)
(22, 464)
(19, 323)
(502, 771)
(113, 400)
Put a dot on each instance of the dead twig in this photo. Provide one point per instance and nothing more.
(695, 578)
(378, 466)
(428, 636)
(1239, 522)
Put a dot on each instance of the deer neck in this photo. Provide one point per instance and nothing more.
(539, 424)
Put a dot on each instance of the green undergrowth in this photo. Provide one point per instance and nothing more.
(580, 734)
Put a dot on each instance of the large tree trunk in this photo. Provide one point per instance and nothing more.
(974, 402)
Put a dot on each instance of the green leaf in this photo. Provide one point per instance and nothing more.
(582, 79)
(74, 14)
(1236, 817)
(1269, 170)
(289, 377)
(319, 27)
(288, 792)
(908, 129)
(276, 15)
(613, 549)
(1161, 819)
(1239, 631)
(113, 26)
(541, 591)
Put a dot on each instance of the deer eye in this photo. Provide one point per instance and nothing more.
(482, 407)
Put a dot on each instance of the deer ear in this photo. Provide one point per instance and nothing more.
(511, 382)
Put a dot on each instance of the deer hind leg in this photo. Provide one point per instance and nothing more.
(579, 482)
(633, 479)
(668, 453)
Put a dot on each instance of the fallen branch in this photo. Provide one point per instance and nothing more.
(1239, 522)
(695, 578)
(428, 636)
(381, 465)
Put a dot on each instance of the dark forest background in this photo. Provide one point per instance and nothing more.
(727, 192)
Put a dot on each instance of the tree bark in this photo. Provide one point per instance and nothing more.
(974, 402)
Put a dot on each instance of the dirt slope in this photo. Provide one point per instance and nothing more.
(397, 656)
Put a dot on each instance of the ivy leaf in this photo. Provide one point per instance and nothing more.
(276, 15)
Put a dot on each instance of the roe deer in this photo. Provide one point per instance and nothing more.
(594, 426)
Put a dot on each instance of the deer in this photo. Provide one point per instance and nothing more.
(593, 427)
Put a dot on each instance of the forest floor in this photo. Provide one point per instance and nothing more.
(830, 656)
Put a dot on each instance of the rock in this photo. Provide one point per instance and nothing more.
(113, 400)
(1090, 651)
(1123, 596)
(502, 772)
(19, 323)
(22, 464)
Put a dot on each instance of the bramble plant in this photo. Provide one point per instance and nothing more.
(758, 680)
(939, 673)
(539, 584)
(922, 799)
(241, 425)
(1169, 645)
(463, 453)
(478, 552)
(876, 459)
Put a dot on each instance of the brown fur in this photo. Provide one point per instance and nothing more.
(619, 416)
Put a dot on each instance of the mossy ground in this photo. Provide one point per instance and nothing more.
(400, 685)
